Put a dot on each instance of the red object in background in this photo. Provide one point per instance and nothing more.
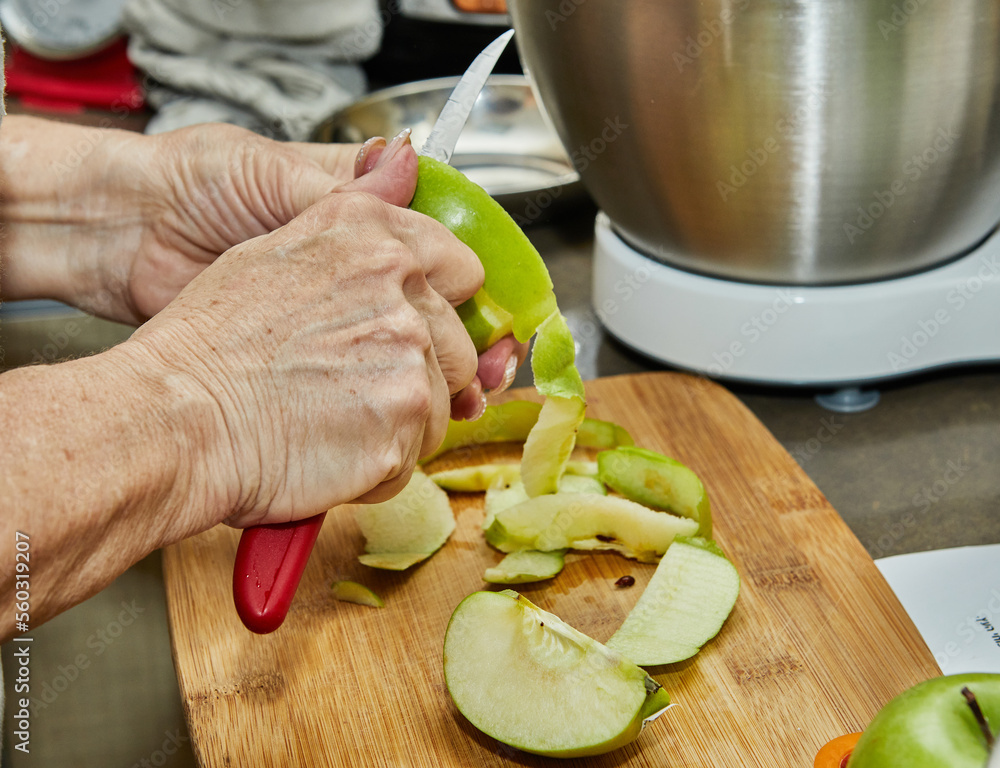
(103, 80)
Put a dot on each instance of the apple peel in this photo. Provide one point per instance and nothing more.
(408, 528)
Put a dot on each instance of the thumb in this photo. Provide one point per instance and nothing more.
(388, 172)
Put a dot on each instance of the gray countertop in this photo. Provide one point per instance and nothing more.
(917, 472)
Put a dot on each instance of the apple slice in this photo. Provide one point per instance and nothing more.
(477, 477)
(407, 528)
(352, 592)
(595, 433)
(482, 477)
(529, 680)
(526, 566)
(506, 422)
(656, 481)
(690, 595)
(586, 521)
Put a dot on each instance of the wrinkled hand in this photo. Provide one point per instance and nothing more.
(497, 365)
(331, 347)
(193, 193)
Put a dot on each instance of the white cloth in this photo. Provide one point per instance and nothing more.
(277, 67)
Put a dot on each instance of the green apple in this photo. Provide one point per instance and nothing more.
(531, 681)
(550, 444)
(689, 596)
(587, 521)
(526, 566)
(595, 433)
(932, 725)
(512, 421)
(408, 528)
(352, 592)
(506, 422)
(656, 481)
(477, 477)
(517, 294)
(503, 496)
(482, 477)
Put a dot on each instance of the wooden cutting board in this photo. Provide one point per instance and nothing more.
(816, 645)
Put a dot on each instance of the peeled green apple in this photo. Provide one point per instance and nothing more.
(932, 725)
(529, 680)
(689, 597)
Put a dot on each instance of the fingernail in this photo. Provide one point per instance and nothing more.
(509, 372)
(399, 141)
(375, 142)
(481, 409)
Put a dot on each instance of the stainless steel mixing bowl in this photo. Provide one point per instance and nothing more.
(807, 142)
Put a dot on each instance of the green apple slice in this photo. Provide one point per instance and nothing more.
(517, 290)
(526, 566)
(595, 433)
(500, 496)
(688, 598)
(531, 681)
(407, 528)
(352, 592)
(586, 521)
(506, 422)
(478, 477)
(550, 444)
(656, 481)
(482, 477)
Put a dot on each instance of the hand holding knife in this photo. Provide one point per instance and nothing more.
(270, 559)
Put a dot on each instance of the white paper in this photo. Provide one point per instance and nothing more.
(953, 597)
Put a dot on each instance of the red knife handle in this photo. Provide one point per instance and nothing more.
(269, 564)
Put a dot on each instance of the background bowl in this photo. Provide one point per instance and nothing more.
(507, 147)
(778, 141)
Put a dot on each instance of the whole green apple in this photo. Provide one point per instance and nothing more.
(934, 724)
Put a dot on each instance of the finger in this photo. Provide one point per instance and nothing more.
(454, 353)
(498, 365)
(336, 159)
(470, 403)
(389, 174)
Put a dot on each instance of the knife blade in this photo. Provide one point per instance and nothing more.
(270, 559)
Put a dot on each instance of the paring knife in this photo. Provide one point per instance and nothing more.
(270, 558)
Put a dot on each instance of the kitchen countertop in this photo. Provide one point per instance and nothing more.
(917, 472)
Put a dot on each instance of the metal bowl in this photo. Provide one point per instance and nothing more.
(507, 147)
(802, 142)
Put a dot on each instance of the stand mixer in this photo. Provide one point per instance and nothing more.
(791, 192)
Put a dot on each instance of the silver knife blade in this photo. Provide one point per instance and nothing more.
(440, 144)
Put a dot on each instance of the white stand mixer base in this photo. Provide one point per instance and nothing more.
(822, 336)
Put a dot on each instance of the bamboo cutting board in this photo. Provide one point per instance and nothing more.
(816, 644)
